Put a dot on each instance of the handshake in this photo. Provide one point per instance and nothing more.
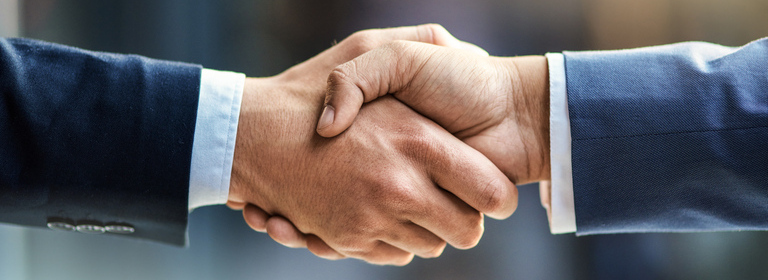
(656, 139)
(389, 145)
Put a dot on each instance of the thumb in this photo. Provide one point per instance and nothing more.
(367, 77)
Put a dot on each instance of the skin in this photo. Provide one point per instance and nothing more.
(394, 185)
(497, 105)
(500, 106)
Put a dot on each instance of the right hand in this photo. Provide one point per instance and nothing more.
(497, 105)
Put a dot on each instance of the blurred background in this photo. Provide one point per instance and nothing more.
(261, 38)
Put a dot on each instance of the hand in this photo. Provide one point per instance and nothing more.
(370, 194)
(363, 41)
(499, 106)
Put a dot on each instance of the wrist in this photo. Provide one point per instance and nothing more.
(530, 89)
(275, 120)
(252, 124)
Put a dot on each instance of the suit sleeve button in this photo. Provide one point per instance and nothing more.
(62, 224)
(90, 228)
(119, 228)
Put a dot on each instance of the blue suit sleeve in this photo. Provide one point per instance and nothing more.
(95, 137)
(670, 138)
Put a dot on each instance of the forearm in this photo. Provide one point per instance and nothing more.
(669, 138)
(81, 127)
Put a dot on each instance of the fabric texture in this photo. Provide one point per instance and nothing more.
(670, 138)
(95, 136)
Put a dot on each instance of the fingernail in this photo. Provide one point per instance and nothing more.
(326, 118)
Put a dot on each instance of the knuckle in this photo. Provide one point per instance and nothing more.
(467, 243)
(392, 236)
(421, 145)
(362, 35)
(473, 233)
(391, 184)
(432, 29)
(402, 261)
(435, 252)
(399, 198)
(341, 73)
(320, 249)
(381, 258)
(436, 26)
(362, 41)
(417, 142)
(493, 197)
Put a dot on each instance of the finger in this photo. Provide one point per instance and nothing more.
(283, 232)
(363, 41)
(416, 239)
(472, 177)
(255, 217)
(382, 254)
(431, 33)
(235, 205)
(366, 40)
(384, 70)
(365, 78)
(318, 247)
(351, 84)
(449, 218)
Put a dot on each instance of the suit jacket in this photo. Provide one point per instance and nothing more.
(670, 138)
(95, 140)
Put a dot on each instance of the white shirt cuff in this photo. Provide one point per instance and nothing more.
(213, 147)
(563, 219)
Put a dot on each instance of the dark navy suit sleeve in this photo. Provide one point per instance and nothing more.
(670, 138)
(95, 138)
